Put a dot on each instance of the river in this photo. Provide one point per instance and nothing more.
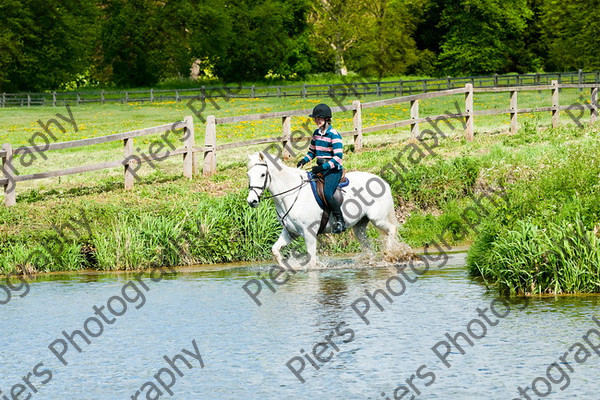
(244, 348)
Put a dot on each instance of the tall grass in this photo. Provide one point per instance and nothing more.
(559, 258)
(546, 241)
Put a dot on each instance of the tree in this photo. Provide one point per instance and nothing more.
(44, 43)
(192, 30)
(129, 43)
(483, 36)
(386, 46)
(571, 31)
(268, 37)
(336, 26)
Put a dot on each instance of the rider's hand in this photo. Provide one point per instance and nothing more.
(317, 168)
(300, 163)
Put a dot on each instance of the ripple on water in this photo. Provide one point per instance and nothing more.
(246, 347)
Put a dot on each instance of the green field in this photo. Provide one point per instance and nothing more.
(19, 124)
(171, 220)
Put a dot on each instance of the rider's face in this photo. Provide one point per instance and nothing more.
(320, 122)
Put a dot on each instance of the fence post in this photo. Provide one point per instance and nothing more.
(210, 141)
(304, 91)
(102, 96)
(496, 80)
(10, 197)
(357, 123)
(278, 91)
(424, 86)
(514, 126)
(53, 99)
(177, 99)
(414, 115)
(448, 82)
(3, 99)
(401, 87)
(555, 110)
(190, 164)
(286, 126)
(469, 131)
(78, 98)
(252, 93)
(378, 89)
(151, 95)
(128, 163)
(594, 106)
(28, 100)
(126, 97)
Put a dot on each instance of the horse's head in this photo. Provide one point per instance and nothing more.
(258, 177)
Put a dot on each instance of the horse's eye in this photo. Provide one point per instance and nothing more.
(262, 176)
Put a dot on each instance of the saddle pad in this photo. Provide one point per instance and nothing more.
(313, 186)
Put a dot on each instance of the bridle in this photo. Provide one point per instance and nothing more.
(263, 187)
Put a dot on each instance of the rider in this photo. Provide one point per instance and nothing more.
(326, 145)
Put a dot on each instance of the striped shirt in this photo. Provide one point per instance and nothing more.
(327, 147)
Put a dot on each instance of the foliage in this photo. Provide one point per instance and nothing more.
(558, 258)
(482, 36)
(387, 46)
(545, 240)
(269, 39)
(570, 32)
(47, 45)
(44, 43)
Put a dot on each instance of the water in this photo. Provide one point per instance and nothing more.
(245, 348)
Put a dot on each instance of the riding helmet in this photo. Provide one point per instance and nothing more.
(321, 111)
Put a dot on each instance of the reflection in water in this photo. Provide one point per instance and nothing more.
(245, 347)
(332, 291)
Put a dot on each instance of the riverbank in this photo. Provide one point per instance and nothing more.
(541, 176)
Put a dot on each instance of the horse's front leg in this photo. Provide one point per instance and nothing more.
(284, 239)
(310, 238)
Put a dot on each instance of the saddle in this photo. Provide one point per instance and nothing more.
(317, 184)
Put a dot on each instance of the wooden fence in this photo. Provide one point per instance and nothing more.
(129, 162)
(339, 90)
(210, 148)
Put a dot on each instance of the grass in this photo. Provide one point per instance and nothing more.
(19, 124)
(549, 175)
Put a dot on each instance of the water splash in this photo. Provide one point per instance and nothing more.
(399, 252)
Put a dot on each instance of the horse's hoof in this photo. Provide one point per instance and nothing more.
(339, 227)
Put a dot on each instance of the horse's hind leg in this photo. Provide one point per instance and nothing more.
(284, 239)
(389, 229)
(360, 232)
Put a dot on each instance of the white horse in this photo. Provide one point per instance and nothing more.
(367, 198)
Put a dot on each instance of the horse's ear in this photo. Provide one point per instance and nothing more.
(261, 156)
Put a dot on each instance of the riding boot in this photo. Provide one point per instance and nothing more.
(339, 224)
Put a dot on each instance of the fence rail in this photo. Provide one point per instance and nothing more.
(352, 89)
(210, 148)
